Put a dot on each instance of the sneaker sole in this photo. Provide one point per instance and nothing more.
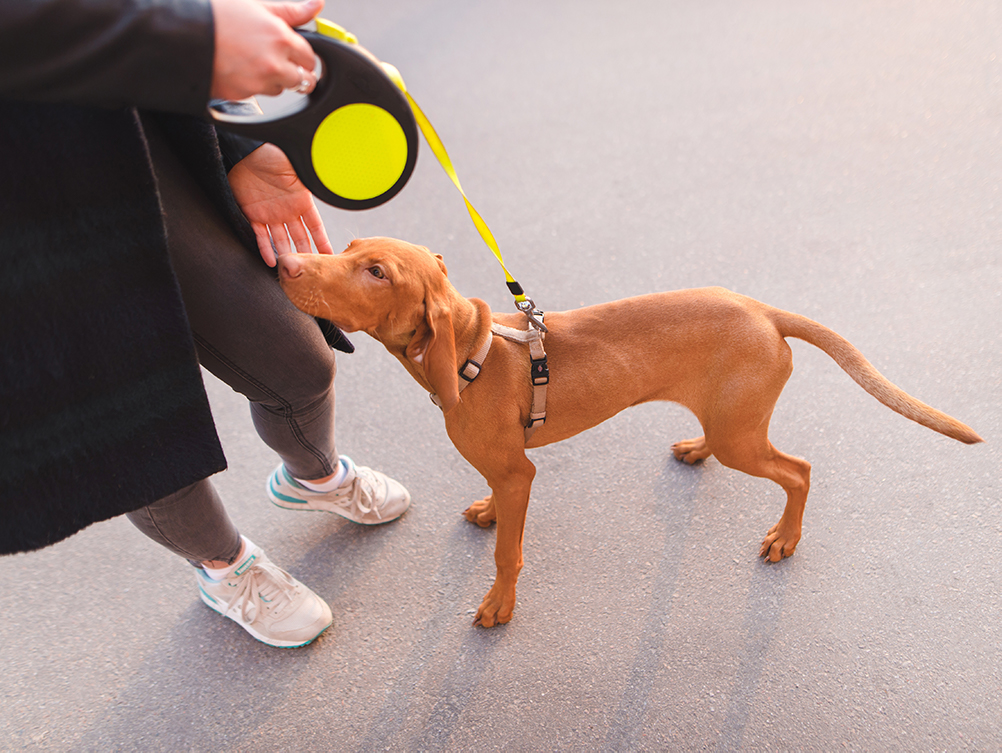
(268, 641)
(294, 503)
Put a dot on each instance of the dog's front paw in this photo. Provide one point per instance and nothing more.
(780, 542)
(496, 608)
(691, 450)
(481, 512)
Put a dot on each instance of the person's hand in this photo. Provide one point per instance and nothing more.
(277, 204)
(257, 52)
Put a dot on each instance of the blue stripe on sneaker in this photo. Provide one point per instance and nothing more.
(284, 497)
(291, 480)
(208, 595)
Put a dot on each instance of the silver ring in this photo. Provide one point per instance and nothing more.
(304, 84)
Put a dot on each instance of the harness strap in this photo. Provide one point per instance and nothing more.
(471, 369)
(540, 371)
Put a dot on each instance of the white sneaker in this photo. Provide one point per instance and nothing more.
(366, 496)
(267, 602)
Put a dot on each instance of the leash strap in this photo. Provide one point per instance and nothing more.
(533, 336)
(522, 302)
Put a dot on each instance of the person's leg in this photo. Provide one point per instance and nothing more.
(235, 577)
(193, 524)
(250, 336)
(246, 331)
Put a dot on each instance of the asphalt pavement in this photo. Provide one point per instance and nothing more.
(840, 159)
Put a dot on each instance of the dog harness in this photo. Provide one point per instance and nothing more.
(539, 372)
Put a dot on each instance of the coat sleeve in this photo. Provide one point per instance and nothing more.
(154, 54)
(233, 147)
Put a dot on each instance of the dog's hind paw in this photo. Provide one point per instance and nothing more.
(691, 450)
(779, 543)
(481, 512)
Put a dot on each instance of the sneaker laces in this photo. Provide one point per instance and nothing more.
(274, 587)
(363, 487)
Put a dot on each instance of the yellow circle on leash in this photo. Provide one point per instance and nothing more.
(359, 151)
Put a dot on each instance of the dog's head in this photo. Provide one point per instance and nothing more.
(394, 291)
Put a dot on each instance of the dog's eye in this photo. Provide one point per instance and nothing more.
(376, 272)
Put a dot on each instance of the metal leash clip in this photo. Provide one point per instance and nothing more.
(527, 307)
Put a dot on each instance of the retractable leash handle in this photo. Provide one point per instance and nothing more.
(353, 140)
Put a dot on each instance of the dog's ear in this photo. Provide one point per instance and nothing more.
(433, 350)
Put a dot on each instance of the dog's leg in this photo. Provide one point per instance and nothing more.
(499, 456)
(510, 493)
(482, 512)
(510, 475)
(754, 454)
(794, 475)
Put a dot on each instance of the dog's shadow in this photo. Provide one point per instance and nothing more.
(680, 491)
(456, 687)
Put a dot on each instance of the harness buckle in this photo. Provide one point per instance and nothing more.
(470, 364)
(540, 371)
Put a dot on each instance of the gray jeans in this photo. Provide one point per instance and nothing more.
(251, 337)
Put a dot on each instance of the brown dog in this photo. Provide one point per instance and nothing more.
(721, 355)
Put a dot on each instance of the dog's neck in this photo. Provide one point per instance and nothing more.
(471, 324)
(473, 330)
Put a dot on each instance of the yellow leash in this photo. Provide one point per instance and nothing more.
(522, 302)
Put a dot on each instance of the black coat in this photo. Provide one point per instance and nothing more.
(102, 407)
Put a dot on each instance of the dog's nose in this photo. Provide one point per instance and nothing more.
(290, 266)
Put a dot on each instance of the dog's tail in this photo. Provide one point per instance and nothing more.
(866, 376)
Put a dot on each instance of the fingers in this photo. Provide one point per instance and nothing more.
(297, 14)
(305, 81)
(257, 51)
(274, 240)
(297, 73)
(264, 243)
(280, 239)
(316, 227)
(301, 238)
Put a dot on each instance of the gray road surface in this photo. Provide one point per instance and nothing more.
(836, 158)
